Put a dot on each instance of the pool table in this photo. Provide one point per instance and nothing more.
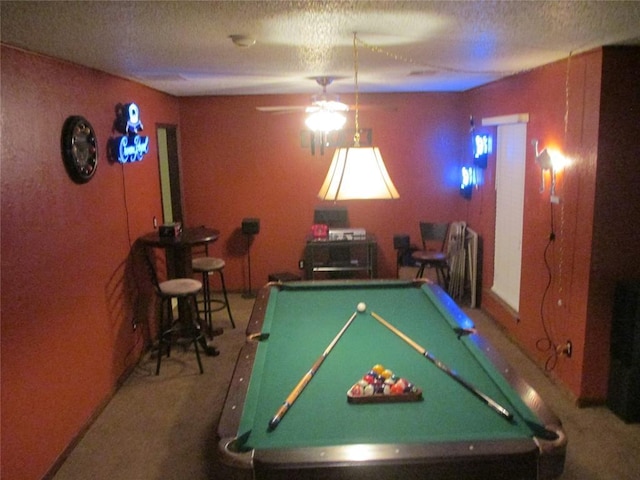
(449, 433)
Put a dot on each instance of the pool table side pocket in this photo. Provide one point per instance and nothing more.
(259, 312)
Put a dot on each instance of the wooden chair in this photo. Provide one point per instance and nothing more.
(433, 253)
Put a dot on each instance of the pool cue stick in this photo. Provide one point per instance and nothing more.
(293, 396)
(488, 400)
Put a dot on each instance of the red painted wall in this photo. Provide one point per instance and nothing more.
(595, 189)
(541, 94)
(239, 162)
(615, 250)
(67, 292)
(251, 164)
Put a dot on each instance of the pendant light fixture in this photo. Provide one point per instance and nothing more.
(357, 173)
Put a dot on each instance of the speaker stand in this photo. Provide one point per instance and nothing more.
(249, 293)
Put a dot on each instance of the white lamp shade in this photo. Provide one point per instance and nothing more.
(357, 173)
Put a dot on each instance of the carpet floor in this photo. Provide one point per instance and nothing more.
(164, 427)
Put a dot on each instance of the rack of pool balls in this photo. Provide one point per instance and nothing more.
(382, 385)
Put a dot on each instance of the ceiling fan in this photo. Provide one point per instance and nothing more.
(319, 103)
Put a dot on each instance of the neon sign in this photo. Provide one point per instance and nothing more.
(468, 181)
(130, 147)
(482, 146)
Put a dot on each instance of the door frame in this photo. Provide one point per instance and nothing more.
(170, 175)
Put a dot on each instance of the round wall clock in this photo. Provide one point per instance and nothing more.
(79, 149)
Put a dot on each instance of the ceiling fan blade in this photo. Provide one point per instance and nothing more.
(282, 109)
(370, 107)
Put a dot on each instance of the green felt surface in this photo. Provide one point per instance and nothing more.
(302, 321)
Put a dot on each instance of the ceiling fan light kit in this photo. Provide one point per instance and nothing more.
(325, 121)
(328, 105)
(357, 173)
(325, 115)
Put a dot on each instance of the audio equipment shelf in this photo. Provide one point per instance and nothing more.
(341, 258)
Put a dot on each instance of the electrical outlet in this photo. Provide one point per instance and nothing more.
(566, 349)
(301, 264)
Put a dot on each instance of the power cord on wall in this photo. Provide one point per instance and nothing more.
(134, 322)
(546, 343)
(126, 206)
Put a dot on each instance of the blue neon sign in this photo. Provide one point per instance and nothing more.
(482, 146)
(468, 181)
(130, 147)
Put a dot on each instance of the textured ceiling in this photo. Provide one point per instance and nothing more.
(183, 47)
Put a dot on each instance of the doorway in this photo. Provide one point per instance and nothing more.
(169, 173)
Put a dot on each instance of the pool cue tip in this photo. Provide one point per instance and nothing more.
(273, 423)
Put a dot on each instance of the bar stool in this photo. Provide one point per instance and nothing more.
(182, 289)
(206, 266)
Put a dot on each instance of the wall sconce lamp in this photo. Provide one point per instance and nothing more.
(552, 161)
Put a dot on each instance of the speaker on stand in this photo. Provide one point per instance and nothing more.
(250, 227)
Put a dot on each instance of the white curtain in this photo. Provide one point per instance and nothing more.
(510, 167)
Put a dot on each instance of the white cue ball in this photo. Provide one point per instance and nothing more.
(362, 307)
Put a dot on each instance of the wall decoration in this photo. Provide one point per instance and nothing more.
(468, 181)
(482, 146)
(130, 146)
(79, 149)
